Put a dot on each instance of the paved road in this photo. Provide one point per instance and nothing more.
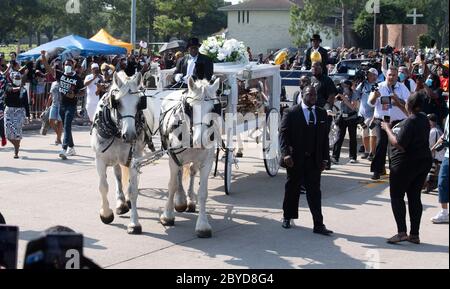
(39, 191)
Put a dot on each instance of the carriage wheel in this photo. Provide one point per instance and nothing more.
(271, 146)
(228, 164)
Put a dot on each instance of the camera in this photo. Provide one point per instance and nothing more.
(387, 50)
(374, 87)
(361, 121)
(373, 123)
(442, 146)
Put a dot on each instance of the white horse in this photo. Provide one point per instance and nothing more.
(116, 139)
(190, 115)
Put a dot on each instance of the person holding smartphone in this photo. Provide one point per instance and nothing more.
(411, 161)
(389, 103)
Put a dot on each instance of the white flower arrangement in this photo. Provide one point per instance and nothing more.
(221, 50)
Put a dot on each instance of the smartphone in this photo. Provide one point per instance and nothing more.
(386, 103)
(387, 119)
(9, 240)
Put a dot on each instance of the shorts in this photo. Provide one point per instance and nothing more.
(367, 132)
(54, 113)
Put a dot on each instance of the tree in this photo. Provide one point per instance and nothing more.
(315, 13)
(395, 11)
(199, 17)
(391, 12)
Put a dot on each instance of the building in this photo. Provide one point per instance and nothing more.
(400, 35)
(263, 25)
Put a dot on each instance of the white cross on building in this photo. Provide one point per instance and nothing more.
(415, 16)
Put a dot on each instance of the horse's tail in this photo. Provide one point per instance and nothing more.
(125, 178)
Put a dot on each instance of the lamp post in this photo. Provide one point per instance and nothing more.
(133, 22)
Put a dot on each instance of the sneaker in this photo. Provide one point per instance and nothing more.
(71, 152)
(353, 161)
(365, 156)
(441, 218)
(63, 155)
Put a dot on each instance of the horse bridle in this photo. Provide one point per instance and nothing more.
(119, 116)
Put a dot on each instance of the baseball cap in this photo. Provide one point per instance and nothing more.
(373, 71)
(94, 65)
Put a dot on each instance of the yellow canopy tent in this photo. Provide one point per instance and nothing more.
(104, 37)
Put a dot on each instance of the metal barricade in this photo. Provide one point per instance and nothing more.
(38, 94)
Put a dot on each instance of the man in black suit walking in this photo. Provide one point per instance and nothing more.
(304, 147)
(194, 65)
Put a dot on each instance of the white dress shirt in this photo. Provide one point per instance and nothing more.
(306, 112)
(394, 112)
(190, 67)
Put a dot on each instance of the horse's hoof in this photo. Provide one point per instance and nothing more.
(204, 234)
(129, 204)
(191, 208)
(181, 208)
(137, 230)
(167, 222)
(107, 220)
(122, 210)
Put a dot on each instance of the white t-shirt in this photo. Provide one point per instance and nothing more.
(91, 89)
(394, 112)
(92, 98)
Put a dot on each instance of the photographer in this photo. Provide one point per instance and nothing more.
(389, 102)
(442, 144)
(366, 111)
(346, 121)
(410, 149)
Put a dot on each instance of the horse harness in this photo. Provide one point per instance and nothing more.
(187, 109)
(109, 129)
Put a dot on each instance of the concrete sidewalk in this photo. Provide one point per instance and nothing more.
(39, 191)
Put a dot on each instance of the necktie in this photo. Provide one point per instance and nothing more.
(312, 119)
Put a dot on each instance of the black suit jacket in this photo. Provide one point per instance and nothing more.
(204, 67)
(323, 52)
(294, 132)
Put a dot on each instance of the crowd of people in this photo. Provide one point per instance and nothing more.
(398, 101)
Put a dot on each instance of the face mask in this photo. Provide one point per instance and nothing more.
(17, 82)
(429, 82)
(421, 71)
(402, 76)
(110, 72)
(142, 63)
(67, 69)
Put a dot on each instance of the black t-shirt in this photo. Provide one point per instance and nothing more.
(69, 83)
(413, 135)
(324, 87)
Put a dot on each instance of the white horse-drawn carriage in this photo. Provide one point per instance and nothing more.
(194, 125)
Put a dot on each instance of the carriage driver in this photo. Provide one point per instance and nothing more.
(194, 64)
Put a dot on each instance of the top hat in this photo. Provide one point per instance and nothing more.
(193, 42)
(316, 37)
